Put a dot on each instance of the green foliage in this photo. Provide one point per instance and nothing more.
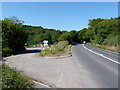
(94, 22)
(111, 40)
(61, 48)
(73, 37)
(13, 79)
(13, 36)
(64, 36)
(7, 51)
(102, 31)
(82, 35)
(39, 34)
(98, 39)
(97, 32)
(61, 45)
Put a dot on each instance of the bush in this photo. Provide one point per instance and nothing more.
(98, 39)
(111, 40)
(13, 79)
(57, 49)
(61, 45)
(13, 36)
(7, 51)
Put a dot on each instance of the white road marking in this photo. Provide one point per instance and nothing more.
(101, 55)
(41, 84)
(110, 52)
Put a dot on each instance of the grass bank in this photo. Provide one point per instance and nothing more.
(106, 47)
(12, 78)
(59, 49)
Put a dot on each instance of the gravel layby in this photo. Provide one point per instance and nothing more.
(60, 73)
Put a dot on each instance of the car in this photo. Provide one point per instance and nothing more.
(26, 44)
(84, 42)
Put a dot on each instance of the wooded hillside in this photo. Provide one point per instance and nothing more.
(15, 34)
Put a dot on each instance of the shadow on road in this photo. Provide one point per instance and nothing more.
(77, 44)
(25, 52)
(32, 51)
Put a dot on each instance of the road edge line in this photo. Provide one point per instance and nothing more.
(105, 50)
(100, 55)
(41, 84)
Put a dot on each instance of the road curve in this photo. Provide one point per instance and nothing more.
(96, 68)
(87, 68)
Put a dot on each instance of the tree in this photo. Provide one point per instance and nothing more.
(74, 38)
(13, 36)
(65, 37)
(82, 35)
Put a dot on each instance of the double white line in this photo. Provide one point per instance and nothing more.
(101, 55)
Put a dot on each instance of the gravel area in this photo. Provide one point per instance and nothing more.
(60, 73)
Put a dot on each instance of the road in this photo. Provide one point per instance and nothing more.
(89, 67)
(97, 66)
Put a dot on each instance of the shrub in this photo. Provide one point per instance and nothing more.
(7, 51)
(13, 36)
(61, 45)
(13, 79)
(57, 49)
(111, 40)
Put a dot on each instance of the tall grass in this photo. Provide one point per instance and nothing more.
(61, 48)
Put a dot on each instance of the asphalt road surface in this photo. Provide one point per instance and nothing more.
(100, 67)
(89, 67)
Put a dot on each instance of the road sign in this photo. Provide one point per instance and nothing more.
(45, 42)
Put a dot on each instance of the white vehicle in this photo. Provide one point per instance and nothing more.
(84, 42)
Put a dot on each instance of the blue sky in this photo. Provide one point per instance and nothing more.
(60, 15)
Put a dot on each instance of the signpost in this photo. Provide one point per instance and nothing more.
(45, 43)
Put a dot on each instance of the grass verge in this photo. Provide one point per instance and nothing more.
(12, 78)
(59, 49)
(110, 48)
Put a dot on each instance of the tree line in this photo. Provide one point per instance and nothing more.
(100, 31)
(15, 34)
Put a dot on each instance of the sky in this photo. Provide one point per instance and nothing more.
(59, 15)
(60, 0)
